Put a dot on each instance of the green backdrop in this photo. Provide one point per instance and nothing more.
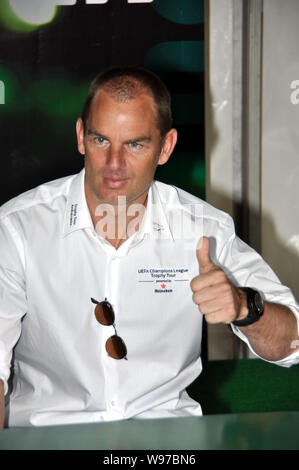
(45, 70)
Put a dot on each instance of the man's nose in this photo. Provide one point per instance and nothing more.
(115, 157)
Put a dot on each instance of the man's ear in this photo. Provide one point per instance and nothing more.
(168, 145)
(80, 136)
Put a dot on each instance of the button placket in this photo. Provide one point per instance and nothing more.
(111, 365)
(113, 277)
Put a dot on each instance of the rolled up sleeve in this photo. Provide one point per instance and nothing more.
(245, 267)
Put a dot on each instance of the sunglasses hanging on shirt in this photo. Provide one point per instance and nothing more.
(104, 314)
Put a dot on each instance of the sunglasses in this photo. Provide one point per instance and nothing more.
(104, 314)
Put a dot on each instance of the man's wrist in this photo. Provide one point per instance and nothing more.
(243, 307)
(255, 307)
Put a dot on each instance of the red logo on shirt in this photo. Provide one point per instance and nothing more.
(163, 286)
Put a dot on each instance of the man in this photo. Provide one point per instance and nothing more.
(102, 287)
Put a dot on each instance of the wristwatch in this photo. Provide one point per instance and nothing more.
(255, 304)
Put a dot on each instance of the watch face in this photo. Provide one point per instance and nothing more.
(258, 301)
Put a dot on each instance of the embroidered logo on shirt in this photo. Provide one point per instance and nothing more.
(158, 227)
(73, 214)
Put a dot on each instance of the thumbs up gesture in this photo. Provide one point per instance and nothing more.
(217, 298)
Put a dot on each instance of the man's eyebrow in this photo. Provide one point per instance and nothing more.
(94, 133)
(142, 138)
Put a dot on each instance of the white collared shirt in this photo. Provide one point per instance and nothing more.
(52, 261)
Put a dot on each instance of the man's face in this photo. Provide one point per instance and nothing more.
(122, 147)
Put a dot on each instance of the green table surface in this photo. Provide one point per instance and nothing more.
(246, 431)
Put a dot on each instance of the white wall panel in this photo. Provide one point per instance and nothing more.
(280, 140)
(279, 133)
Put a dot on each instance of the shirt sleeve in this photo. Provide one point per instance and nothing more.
(13, 302)
(246, 268)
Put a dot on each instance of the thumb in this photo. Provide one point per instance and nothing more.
(203, 255)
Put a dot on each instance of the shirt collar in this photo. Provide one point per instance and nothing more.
(172, 218)
(155, 224)
(77, 215)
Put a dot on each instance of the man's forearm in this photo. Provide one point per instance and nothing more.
(274, 335)
(1, 404)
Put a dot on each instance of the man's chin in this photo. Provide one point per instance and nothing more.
(117, 199)
(122, 198)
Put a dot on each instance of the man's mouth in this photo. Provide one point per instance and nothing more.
(115, 183)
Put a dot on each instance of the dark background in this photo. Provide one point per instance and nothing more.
(45, 71)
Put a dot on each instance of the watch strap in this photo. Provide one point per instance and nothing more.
(255, 310)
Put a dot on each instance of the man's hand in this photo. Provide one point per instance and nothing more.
(217, 298)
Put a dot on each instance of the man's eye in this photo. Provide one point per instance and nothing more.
(100, 140)
(135, 145)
